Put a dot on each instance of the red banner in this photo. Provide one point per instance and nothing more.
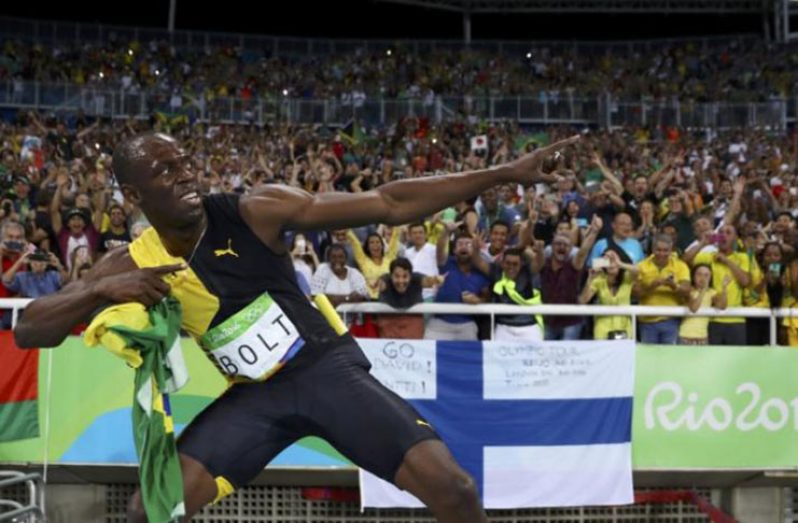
(19, 390)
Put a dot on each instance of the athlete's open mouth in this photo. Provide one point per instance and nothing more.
(191, 197)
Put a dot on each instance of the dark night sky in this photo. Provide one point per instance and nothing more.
(369, 19)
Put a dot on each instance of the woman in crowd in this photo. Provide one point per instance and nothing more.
(694, 330)
(773, 291)
(79, 259)
(303, 256)
(340, 283)
(372, 259)
(610, 280)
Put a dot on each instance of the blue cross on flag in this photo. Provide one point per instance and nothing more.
(544, 424)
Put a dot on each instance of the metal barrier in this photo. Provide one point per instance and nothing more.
(571, 108)
(493, 310)
(35, 506)
(15, 305)
(633, 311)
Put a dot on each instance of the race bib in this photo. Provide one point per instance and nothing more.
(254, 342)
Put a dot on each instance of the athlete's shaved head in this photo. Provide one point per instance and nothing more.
(155, 173)
(136, 152)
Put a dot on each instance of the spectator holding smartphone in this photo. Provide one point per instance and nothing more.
(773, 291)
(78, 260)
(303, 256)
(665, 281)
(610, 281)
(694, 330)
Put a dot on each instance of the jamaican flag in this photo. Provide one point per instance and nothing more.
(150, 342)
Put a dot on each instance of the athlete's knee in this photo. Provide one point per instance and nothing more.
(453, 489)
(457, 489)
(135, 509)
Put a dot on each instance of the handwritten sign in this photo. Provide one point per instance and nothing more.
(407, 367)
(551, 369)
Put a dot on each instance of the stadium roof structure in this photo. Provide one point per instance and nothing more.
(779, 11)
(591, 6)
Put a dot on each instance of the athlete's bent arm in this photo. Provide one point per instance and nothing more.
(113, 279)
(274, 208)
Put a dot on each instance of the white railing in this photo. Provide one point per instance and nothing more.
(16, 305)
(633, 311)
(493, 310)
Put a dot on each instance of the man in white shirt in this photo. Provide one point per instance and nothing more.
(422, 256)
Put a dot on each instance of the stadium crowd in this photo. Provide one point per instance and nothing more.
(731, 70)
(648, 216)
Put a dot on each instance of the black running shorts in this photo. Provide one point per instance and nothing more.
(331, 396)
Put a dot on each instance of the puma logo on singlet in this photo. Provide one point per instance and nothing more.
(423, 423)
(229, 250)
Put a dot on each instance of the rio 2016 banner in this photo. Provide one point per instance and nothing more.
(715, 407)
(694, 408)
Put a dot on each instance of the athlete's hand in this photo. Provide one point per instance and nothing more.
(527, 170)
(145, 286)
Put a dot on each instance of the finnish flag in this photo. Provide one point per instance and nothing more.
(543, 424)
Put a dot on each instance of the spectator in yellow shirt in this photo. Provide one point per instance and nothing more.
(744, 273)
(612, 285)
(372, 260)
(695, 329)
(664, 280)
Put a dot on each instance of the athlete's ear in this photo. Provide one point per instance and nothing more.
(131, 194)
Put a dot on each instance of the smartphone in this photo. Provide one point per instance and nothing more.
(774, 269)
(301, 244)
(581, 222)
(717, 238)
(13, 246)
(600, 263)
